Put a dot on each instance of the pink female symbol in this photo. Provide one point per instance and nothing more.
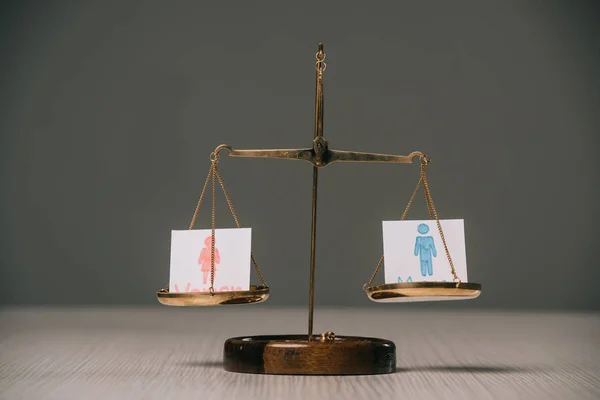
(204, 259)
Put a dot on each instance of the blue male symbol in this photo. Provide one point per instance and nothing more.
(424, 247)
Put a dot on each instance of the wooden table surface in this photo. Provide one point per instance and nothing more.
(175, 353)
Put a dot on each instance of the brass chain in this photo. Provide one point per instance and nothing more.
(237, 223)
(320, 65)
(431, 207)
(200, 200)
(193, 222)
(432, 215)
(212, 228)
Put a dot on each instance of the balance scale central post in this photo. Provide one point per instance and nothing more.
(319, 148)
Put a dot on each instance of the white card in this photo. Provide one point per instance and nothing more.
(414, 252)
(191, 255)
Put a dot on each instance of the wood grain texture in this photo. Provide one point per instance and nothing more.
(174, 353)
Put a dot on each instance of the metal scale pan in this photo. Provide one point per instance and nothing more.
(423, 291)
(256, 294)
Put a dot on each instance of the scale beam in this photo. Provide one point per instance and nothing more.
(321, 158)
(355, 156)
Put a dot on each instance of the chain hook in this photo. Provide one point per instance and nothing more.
(321, 65)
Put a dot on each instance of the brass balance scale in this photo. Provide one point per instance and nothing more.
(326, 353)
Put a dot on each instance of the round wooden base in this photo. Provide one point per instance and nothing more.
(296, 355)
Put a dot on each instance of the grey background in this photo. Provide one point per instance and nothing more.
(109, 110)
